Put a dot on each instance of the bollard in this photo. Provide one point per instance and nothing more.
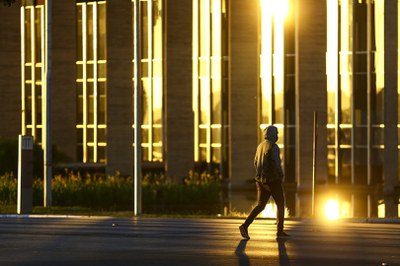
(25, 174)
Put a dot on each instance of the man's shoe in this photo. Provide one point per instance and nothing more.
(243, 232)
(282, 234)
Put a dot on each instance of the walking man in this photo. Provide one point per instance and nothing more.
(269, 178)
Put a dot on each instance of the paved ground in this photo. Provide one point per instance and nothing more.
(171, 241)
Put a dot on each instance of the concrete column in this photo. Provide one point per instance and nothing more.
(64, 77)
(178, 121)
(244, 56)
(10, 71)
(119, 88)
(310, 96)
(390, 163)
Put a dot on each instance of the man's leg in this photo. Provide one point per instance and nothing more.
(262, 197)
(279, 197)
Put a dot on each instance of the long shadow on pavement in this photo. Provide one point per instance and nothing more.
(240, 252)
(244, 260)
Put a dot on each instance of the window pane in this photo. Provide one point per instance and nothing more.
(90, 34)
(89, 70)
(345, 136)
(145, 102)
(101, 68)
(216, 155)
(145, 135)
(157, 29)
(101, 88)
(101, 154)
(28, 36)
(90, 115)
(216, 101)
(101, 135)
(331, 165)
(157, 154)
(79, 25)
(145, 154)
(102, 110)
(157, 135)
(360, 171)
(157, 101)
(204, 101)
(102, 32)
(216, 135)
(203, 135)
(90, 135)
(38, 35)
(144, 30)
(345, 166)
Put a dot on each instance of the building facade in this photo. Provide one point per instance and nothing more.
(213, 74)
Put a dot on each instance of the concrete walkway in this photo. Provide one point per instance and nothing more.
(61, 240)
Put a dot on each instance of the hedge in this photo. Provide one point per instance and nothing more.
(197, 194)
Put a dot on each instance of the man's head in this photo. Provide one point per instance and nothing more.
(271, 133)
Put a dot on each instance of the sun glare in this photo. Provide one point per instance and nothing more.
(277, 8)
(332, 210)
(281, 8)
(270, 210)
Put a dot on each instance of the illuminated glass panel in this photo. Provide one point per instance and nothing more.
(152, 70)
(355, 70)
(91, 81)
(272, 64)
(277, 76)
(32, 68)
(332, 67)
(210, 81)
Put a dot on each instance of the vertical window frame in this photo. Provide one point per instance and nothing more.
(152, 150)
(209, 83)
(92, 150)
(30, 103)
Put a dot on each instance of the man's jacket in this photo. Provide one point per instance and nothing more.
(267, 160)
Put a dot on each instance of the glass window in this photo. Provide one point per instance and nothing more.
(152, 39)
(91, 81)
(210, 54)
(33, 65)
(277, 76)
(355, 91)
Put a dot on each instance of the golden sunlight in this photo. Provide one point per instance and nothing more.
(332, 210)
(381, 210)
(270, 210)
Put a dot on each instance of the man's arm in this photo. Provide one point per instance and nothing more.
(276, 158)
(257, 164)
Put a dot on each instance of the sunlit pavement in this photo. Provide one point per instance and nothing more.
(188, 241)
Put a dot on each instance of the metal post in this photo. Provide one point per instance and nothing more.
(137, 184)
(47, 155)
(314, 165)
(25, 174)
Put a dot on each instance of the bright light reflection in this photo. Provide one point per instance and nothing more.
(270, 210)
(381, 210)
(280, 8)
(332, 210)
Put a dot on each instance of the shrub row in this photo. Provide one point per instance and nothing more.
(196, 194)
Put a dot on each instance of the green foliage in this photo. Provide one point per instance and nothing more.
(110, 192)
(8, 190)
(197, 194)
